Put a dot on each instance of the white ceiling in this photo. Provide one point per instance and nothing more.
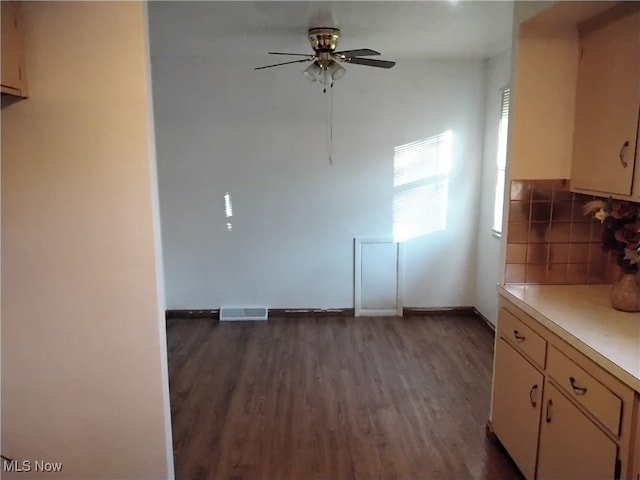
(398, 29)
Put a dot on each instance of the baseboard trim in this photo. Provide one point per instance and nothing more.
(485, 320)
(310, 312)
(213, 314)
(427, 311)
(462, 310)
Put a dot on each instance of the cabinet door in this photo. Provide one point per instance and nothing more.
(607, 102)
(12, 68)
(571, 446)
(516, 406)
(636, 455)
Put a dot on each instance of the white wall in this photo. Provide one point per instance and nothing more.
(489, 254)
(261, 136)
(83, 344)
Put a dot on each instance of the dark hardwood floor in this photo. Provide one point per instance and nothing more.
(337, 398)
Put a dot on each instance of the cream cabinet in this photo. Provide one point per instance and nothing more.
(14, 79)
(571, 445)
(517, 402)
(607, 104)
(636, 445)
(557, 413)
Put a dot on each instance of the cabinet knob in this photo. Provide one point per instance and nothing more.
(532, 395)
(548, 412)
(623, 150)
(576, 388)
(518, 336)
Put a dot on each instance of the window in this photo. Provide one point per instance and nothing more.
(501, 161)
(421, 183)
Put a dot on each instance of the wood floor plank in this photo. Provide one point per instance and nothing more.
(333, 398)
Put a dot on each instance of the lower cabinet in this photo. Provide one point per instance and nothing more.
(517, 401)
(636, 462)
(557, 413)
(571, 445)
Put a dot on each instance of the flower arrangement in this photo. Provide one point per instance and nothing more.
(621, 233)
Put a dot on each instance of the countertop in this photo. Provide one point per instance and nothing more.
(583, 317)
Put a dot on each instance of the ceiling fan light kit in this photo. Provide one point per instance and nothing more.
(326, 62)
(326, 66)
(325, 76)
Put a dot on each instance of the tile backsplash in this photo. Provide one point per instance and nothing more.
(550, 240)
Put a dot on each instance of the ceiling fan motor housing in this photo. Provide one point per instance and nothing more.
(326, 61)
(324, 39)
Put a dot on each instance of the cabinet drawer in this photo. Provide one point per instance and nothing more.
(586, 390)
(524, 339)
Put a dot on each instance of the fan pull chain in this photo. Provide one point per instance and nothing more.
(329, 120)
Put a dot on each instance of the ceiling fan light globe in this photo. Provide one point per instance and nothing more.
(325, 78)
(312, 72)
(336, 70)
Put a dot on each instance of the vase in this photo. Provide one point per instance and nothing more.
(625, 295)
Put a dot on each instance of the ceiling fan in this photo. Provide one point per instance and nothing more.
(326, 63)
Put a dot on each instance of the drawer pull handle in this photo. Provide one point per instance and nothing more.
(518, 337)
(548, 412)
(576, 388)
(532, 394)
(622, 152)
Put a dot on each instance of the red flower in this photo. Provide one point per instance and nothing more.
(629, 234)
(623, 210)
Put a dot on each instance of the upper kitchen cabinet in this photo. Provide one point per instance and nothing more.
(14, 78)
(607, 103)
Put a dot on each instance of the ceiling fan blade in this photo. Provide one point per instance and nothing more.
(292, 54)
(363, 52)
(284, 63)
(371, 62)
